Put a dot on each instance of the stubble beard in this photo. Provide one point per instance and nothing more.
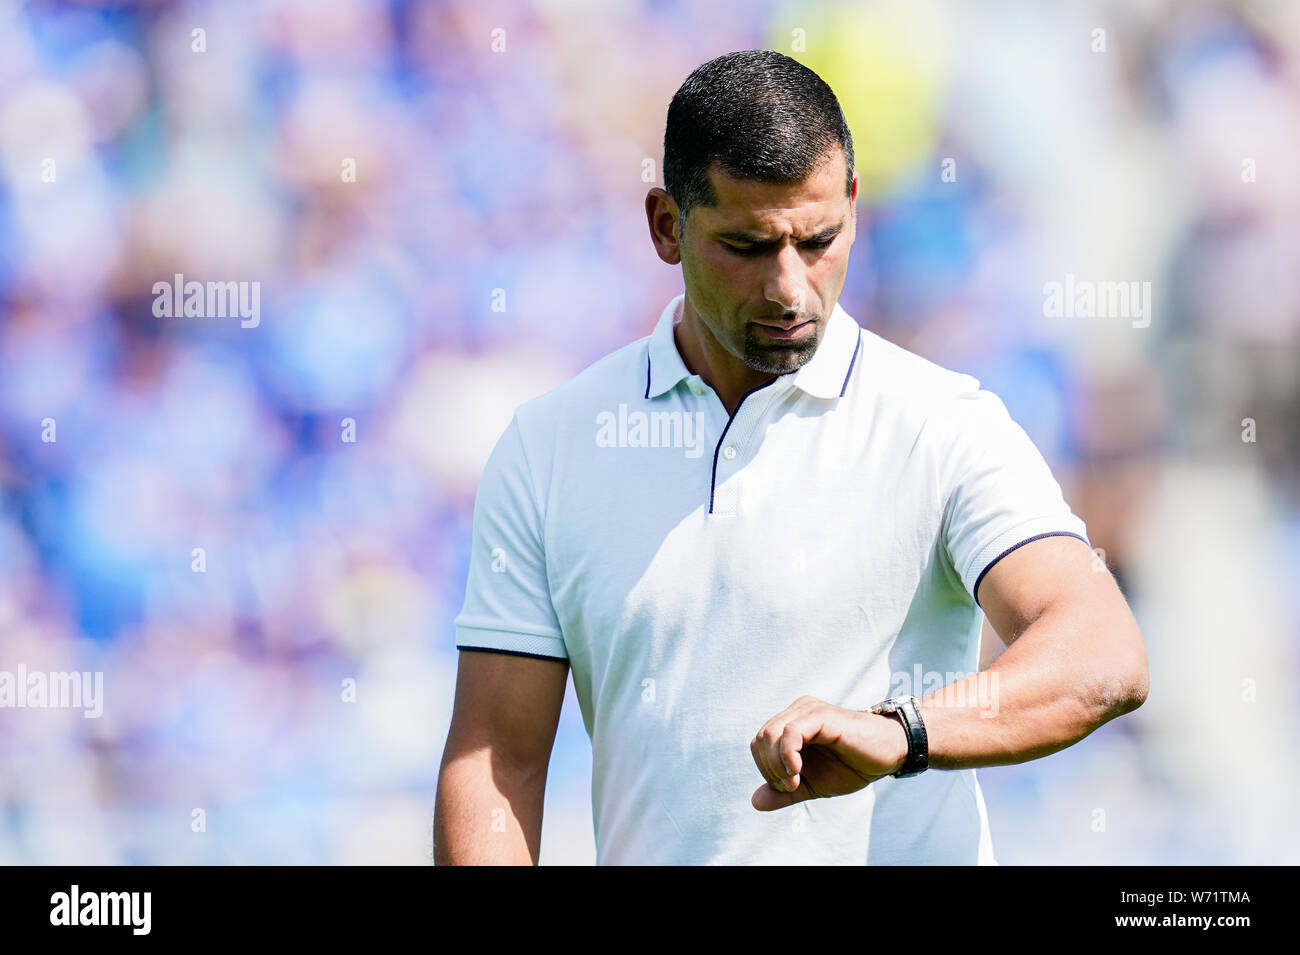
(777, 359)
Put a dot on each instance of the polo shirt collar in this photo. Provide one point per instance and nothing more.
(826, 375)
(664, 365)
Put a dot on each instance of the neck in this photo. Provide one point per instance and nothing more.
(722, 371)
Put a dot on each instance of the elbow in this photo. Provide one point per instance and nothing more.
(1127, 688)
(1128, 678)
(1118, 689)
(1132, 691)
(1136, 679)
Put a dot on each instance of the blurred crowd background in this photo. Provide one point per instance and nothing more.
(493, 244)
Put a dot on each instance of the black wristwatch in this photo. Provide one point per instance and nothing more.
(907, 710)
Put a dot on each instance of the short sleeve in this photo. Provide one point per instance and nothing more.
(1001, 494)
(507, 598)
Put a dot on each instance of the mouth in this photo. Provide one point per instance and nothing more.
(786, 332)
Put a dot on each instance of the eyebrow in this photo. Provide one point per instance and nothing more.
(753, 238)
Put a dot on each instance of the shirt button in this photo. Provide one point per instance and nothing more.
(696, 390)
(728, 452)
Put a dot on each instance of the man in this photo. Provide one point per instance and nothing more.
(760, 503)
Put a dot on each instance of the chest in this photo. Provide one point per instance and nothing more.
(782, 523)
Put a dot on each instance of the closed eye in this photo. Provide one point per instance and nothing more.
(752, 250)
(749, 250)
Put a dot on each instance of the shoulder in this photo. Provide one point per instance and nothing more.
(896, 373)
(942, 412)
(918, 390)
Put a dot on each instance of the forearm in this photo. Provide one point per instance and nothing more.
(1062, 678)
(487, 813)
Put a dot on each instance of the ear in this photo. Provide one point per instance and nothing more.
(663, 218)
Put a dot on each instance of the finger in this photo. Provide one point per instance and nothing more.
(790, 755)
(805, 729)
(764, 750)
(774, 744)
(782, 754)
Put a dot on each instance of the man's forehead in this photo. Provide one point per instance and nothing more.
(747, 202)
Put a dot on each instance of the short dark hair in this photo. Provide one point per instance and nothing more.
(757, 113)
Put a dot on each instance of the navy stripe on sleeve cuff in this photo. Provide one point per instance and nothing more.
(1028, 540)
(513, 653)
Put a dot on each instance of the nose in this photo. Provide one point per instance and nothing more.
(785, 284)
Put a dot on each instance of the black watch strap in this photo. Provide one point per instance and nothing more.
(907, 710)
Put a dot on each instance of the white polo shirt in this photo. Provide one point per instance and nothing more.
(701, 572)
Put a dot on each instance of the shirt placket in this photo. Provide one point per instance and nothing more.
(737, 445)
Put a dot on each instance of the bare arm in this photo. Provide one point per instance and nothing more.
(1074, 661)
(493, 778)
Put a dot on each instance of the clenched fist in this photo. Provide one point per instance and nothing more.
(812, 749)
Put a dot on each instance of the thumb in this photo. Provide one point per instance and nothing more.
(766, 797)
